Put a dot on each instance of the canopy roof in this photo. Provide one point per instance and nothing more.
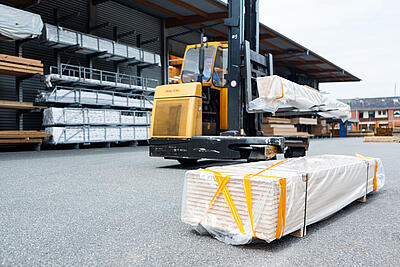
(182, 15)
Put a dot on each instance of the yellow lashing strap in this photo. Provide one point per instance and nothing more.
(222, 181)
(374, 181)
(222, 187)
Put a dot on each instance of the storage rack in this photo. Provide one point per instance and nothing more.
(95, 90)
(87, 44)
(22, 69)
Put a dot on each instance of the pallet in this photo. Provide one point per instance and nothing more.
(19, 66)
(5, 104)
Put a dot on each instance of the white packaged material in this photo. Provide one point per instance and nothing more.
(275, 91)
(87, 116)
(65, 135)
(270, 199)
(92, 134)
(16, 24)
(62, 116)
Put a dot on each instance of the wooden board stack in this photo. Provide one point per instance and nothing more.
(270, 199)
(321, 129)
(22, 137)
(280, 126)
(381, 139)
(304, 121)
(5, 104)
(19, 66)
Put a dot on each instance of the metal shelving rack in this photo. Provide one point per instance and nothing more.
(93, 89)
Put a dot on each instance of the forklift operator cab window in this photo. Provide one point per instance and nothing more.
(190, 69)
(220, 67)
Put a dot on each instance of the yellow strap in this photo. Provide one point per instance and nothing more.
(283, 92)
(222, 181)
(222, 187)
(374, 181)
(280, 228)
(247, 192)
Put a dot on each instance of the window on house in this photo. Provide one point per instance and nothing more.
(361, 115)
(371, 114)
(379, 112)
(384, 112)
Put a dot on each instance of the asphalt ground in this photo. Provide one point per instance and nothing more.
(120, 207)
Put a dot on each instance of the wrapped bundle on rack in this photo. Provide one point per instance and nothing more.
(267, 200)
(275, 91)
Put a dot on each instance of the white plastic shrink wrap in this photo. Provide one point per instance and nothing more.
(78, 116)
(16, 24)
(275, 91)
(270, 199)
(92, 134)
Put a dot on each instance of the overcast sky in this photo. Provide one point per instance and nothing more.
(360, 36)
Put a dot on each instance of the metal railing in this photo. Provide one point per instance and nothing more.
(97, 77)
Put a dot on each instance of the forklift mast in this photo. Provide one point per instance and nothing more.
(243, 58)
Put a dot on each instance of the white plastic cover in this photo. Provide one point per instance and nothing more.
(85, 134)
(275, 91)
(16, 24)
(88, 116)
(284, 195)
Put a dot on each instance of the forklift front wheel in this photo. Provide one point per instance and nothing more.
(187, 162)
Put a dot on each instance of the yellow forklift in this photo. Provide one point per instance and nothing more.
(206, 114)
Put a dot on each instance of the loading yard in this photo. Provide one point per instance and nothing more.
(118, 207)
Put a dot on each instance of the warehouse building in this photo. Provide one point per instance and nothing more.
(156, 31)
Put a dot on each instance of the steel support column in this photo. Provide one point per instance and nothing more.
(164, 53)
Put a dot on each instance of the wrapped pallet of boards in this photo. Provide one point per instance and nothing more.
(270, 199)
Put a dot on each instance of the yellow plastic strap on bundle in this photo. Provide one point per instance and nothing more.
(247, 192)
(280, 228)
(222, 182)
(374, 181)
(222, 187)
(283, 91)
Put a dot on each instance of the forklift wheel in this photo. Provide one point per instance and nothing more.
(187, 162)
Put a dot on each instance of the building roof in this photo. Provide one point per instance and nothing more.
(373, 103)
(181, 15)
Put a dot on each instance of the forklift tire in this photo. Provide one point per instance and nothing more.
(187, 162)
(295, 152)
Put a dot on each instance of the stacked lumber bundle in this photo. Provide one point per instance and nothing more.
(321, 129)
(280, 126)
(304, 121)
(22, 137)
(381, 139)
(19, 66)
(267, 200)
(5, 104)
(380, 131)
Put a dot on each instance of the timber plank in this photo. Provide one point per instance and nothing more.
(21, 60)
(5, 104)
(20, 141)
(18, 66)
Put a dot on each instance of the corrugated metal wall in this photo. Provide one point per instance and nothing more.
(124, 18)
